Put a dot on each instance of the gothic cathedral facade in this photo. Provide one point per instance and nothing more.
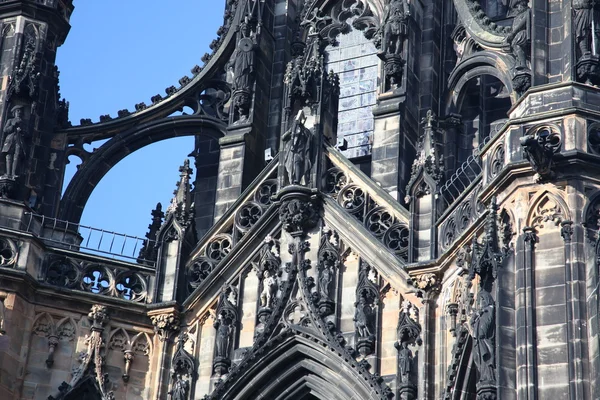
(389, 199)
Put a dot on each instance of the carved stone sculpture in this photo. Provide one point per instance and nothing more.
(226, 319)
(243, 71)
(394, 25)
(13, 146)
(409, 332)
(184, 370)
(363, 319)
(519, 38)
(586, 29)
(483, 323)
(269, 289)
(367, 294)
(298, 151)
(394, 31)
(223, 339)
(539, 149)
(405, 359)
(325, 280)
(181, 389)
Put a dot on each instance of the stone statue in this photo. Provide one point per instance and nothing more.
(325, 281)
(405, 358)
(269, 289)
(587, 33)
(483, 323)
(243, 66)
(223, 338)
(518, 38)
(394, 25)
(13, 146)
(298, 151)
(181, 389)
(363, 316)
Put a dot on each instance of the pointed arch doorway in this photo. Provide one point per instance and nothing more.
(299, 368)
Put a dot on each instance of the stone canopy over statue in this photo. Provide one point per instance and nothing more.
(13, 147)
(297, 156)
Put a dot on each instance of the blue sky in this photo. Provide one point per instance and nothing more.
(119, 53)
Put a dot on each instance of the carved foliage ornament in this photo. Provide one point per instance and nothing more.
(165, 325)
(298, 215)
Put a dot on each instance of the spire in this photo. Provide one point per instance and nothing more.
(148, 251)
(428, 158)
(181, 205)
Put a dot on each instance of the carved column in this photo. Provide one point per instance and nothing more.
(526, 376)
(575, 316)
(427, 288)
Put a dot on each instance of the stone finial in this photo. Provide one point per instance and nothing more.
(181, 204)
(98, 316)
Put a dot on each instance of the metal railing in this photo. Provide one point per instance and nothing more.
(86, 239)
(465, 175)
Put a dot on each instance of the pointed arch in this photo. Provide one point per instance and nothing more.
(591, 212)
(139, 340)
(461, 379)
(547, 206)
(118, 340)
(296, 368)
(44, 325)
(481, 63)
(66, 329)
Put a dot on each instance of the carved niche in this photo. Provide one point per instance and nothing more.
(225, 324)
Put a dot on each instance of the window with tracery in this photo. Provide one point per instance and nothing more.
(355, 60)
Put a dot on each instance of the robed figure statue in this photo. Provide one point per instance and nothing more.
(483, 324)
(297, 157)
(395, 30)
(587, 32)
(519, 38)
(13, 146)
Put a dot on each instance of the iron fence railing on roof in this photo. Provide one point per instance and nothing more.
(465, 175)
(86, 239)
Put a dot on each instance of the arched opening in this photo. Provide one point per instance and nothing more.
(483, 106)
(354, 59)
(299, 368)
(85, 390)
(99, 163)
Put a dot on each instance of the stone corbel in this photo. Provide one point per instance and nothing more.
(52, 344)
(166, 323)
(128, 357)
